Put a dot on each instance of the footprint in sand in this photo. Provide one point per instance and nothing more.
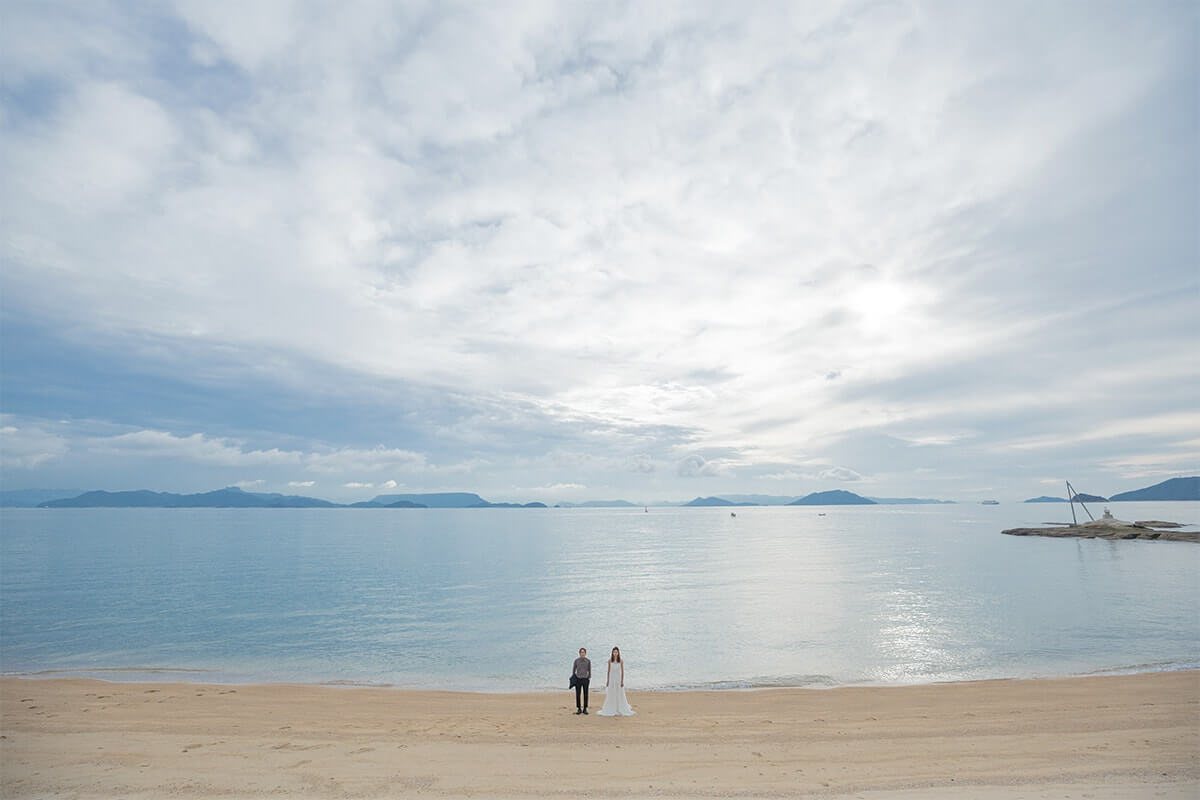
(292, 746)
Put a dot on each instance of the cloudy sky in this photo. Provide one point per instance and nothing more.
(570, 250)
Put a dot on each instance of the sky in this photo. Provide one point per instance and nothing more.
(563, 251)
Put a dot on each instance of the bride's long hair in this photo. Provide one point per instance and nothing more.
(616, 655)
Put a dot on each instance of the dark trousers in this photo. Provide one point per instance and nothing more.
(581, 685)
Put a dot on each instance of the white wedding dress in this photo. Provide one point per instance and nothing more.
(615, 704)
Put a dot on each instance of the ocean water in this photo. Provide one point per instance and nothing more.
(500, 599)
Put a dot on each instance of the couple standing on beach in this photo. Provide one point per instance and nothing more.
(615, 703)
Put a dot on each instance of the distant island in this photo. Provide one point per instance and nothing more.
(835, 497)
(434, 500)
(447, 500)
(831, 499)
(715, 501)
(759, 499)
(1173, 489)
(486, 504)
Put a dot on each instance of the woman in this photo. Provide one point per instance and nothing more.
(615, 703)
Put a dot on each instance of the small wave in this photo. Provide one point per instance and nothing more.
(760, 682)
(1157, 666)
(116, 670)
(125, 674)
(349, 684)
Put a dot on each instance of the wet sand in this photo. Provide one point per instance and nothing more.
(1106, 737)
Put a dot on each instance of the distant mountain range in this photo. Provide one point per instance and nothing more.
(31, 498)
(232, 497)
(229, 497)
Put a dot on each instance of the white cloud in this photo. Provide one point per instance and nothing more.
(933, 439)
(641, 463)
(301, 484)
(1174, 425)
(696, 466)
(839, 474)
(33, 445)
(195, 447)
(358, 485)
(29, 446)
(378, 459)
(250, 36)
(786, 475)
(249, 484)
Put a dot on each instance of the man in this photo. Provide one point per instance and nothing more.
(582, 670)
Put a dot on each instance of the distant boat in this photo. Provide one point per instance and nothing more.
(732, 514)
(990, 503)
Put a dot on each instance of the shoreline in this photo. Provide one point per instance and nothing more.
(1111, 736)
(212, 677)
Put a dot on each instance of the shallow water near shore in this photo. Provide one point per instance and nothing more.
(500, 599)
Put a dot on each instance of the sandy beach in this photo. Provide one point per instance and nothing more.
(1129, 736)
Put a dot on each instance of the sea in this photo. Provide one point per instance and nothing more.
(500, 600)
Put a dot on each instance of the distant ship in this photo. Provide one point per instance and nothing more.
(990, 503)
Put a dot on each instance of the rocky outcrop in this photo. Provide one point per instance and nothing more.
(1114, 529)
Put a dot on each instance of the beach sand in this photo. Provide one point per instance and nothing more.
(1131, 736)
